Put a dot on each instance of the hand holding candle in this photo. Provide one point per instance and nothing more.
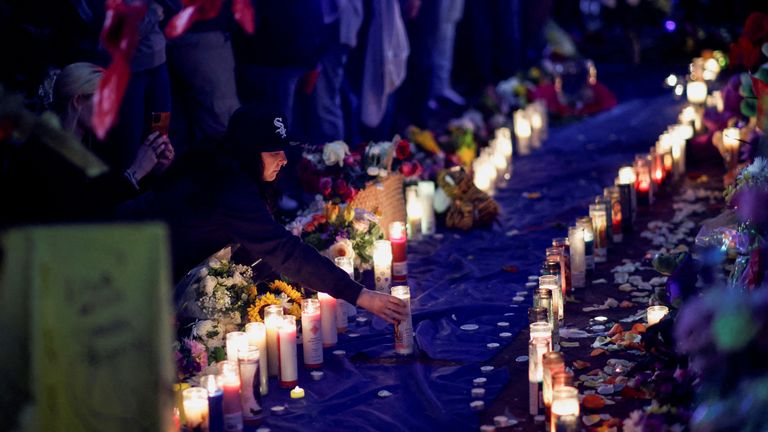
(387, 307)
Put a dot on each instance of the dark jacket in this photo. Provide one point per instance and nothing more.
(209, 206)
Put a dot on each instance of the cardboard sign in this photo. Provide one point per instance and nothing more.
(98, 324)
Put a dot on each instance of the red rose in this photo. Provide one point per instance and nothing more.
(325, 186)
(411, 169)
(403, 149)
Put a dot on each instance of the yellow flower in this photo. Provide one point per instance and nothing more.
(331, 212)
(349, 213)
(466, 155)
(254, 311)
(253, 292)
(288, 290)
(424, 138)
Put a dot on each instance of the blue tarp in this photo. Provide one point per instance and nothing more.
(459, 279)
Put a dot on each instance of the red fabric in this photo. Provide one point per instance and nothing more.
(193, 11)
(119, 37)
(602, 100)
(746, 50)
(244, 15)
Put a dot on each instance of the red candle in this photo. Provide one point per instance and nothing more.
(397, 237)
(230, 383)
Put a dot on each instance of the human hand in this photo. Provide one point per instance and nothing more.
(388, 307)
(166, 155)
(148, 155)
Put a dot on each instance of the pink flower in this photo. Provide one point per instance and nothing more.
(411, 169)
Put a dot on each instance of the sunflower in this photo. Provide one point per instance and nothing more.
(286, 289)
(254, 311)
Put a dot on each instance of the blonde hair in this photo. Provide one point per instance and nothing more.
(75, 80)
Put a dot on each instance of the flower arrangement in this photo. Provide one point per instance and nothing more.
(399, 155)
(332, 171)
(340, 230)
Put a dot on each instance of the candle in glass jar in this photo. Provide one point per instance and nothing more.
(597, 212)
(696, 92)
(523, 132)
(404, 329)
(543, 298)
(643, 186)
(230, 383)
(414, 209)
(565, 270)
(196, 409)
(426, 190)
(585, 223)
(626, 182)
(273, 316)
(257, 337)
(382, 265)
(612, 197)
(311, 331)
(550, 282)
(536, 349)
(397, 238)
(578, 260)
(565, 409)
(250, 393)
(657, 168)
(235, 341)
(654, 314)
(328, 319)
(215, 400)
(541, 330)
(286, 346)
(552, 362)
(731, 142)
(346, 264)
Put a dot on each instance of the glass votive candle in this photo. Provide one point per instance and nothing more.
(654, 314)
(541, 330)
(196, 409)
(565, 410)
(235, 341)
(552, 362)
(537, 314)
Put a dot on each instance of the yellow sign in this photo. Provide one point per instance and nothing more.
(100, 329)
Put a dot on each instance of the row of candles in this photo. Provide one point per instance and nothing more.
(491, 167)
(226, 401)
(569, 259)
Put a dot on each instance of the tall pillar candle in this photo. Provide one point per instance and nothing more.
(585, 224)
(215, 400)
(522, 127)
(250, 392)
(397, 237)
(328, 319)
(311, 332)
(230, 382)
(597, 213)
(427, 196)
(578, 261)
(286, 347)
(257, 337)
(235, 341)
(273, 316)
(382, 265)
(346, 264)
(196, 409)
(404, 329)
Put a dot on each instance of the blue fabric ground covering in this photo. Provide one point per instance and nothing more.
(458, 279)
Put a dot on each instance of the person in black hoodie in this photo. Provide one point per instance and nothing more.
(219, 197)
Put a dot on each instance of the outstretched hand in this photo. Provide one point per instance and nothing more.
(388, 307)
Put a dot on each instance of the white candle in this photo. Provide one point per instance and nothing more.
(534, 117)
(578, 262)
(551, 283)
(654, 314)
(257, 337)
(427, 196)
(415, 211)
(328, 319)
(196, 408)
(628, 177)
(272, 318)
(731, 137)
(588, 234)
(565, 409)
(404, 329)
(597, 212)
(536, 349)
(382, 265)
(250, 394)
(286, 338)
(346, 264)
(232, 407)
(312, 339)
(235, 341)
(522, 132)
(504, 142)
(696, 91)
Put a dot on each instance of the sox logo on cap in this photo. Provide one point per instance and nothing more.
(280, 127)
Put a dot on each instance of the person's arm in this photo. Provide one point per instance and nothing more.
(251, 225)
